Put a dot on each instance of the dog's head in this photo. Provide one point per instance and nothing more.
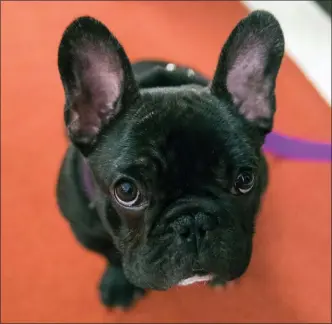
(179, 170)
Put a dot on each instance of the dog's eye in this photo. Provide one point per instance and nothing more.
(244, 183)
(126, 193)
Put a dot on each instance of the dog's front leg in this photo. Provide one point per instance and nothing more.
(116, 290)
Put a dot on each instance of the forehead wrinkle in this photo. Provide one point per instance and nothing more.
(176, 108)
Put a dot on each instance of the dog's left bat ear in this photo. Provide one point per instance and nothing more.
(97, 78)
(248, 67)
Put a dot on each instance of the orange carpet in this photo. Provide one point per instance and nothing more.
(47, 277)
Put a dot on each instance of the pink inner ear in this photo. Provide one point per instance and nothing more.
(99, 80)
(246, 82)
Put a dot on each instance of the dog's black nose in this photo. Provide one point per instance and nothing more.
(192, 229)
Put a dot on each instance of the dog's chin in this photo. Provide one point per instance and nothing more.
(195, 279)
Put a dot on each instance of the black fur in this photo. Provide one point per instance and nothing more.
(181, 140)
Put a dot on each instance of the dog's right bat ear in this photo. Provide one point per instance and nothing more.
(97, 78)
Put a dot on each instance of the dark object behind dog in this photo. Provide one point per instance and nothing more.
(174, 161)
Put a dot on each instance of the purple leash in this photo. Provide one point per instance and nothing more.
(297, 149)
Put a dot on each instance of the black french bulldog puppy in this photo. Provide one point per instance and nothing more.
(165, 172)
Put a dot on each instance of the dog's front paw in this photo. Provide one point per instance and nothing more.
(117, 291)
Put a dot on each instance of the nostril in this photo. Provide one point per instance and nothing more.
(185, 232)
(191, 228)
(185, 227)
(201, 232)
(205, 223)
